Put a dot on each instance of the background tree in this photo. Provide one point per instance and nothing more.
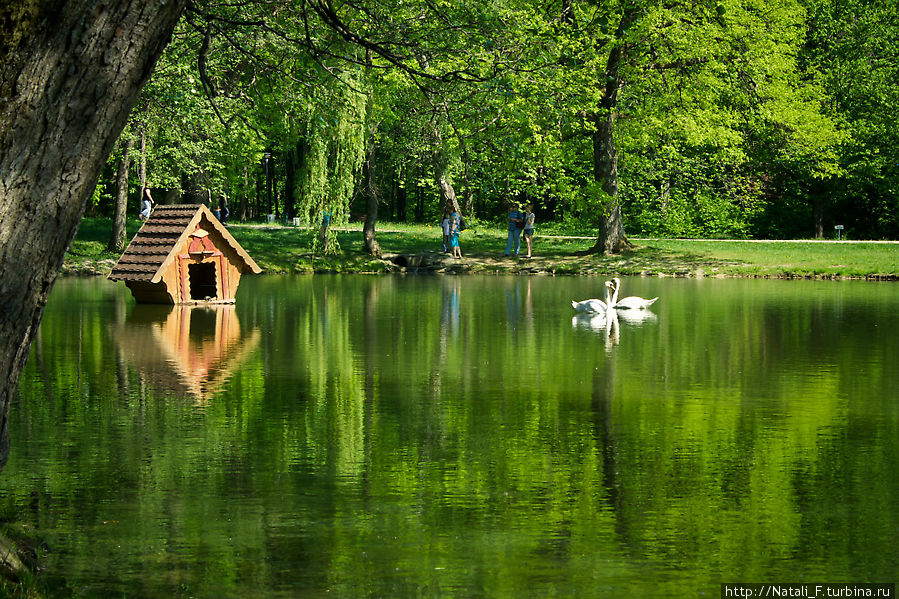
(852, 51)
(688, 79)
(117, 237)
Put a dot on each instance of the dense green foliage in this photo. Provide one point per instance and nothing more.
(737, 118)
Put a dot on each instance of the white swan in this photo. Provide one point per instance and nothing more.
(631, 302)
(596, 306)
(590, 305)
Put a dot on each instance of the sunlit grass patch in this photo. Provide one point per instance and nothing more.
(787, 258)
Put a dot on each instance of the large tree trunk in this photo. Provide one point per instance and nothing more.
(610, 238)
(69, 74)
(441, 176)
(401, 196)
(447, 193)
(372, 247)
(117, 237)
(819, 194)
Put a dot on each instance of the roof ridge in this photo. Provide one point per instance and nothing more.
(153, 246)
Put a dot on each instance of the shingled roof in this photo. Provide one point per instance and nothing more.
(153, 247)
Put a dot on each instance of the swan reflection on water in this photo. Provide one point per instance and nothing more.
(637, 317)
(605, 323)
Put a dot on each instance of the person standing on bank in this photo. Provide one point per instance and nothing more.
(146, 204)
(516, 224)
(455, 227)
(528, 230)
(323, 230)
(224, 211)
(445, 225)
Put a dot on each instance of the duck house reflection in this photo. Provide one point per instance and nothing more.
(187, 350)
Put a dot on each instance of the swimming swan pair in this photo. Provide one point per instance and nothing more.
(599, 306)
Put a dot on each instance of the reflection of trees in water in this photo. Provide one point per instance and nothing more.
(668, 464)
(602, 402)
(641, 458)
(372, 352)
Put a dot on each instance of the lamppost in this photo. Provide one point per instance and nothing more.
(267, 157)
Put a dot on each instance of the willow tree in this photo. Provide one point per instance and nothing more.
(433, 57)
(244, 82)
(69, 74)
(335, 142)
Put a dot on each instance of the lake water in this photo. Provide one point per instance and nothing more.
(460, 436)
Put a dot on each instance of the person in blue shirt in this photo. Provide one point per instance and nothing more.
(516, 224)
(323, 230)
(455, 227)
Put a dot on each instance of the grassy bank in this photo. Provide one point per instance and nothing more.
(280, 249)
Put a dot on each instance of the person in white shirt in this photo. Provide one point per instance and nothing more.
(528, 231)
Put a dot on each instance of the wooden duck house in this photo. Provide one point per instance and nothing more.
(182, 254)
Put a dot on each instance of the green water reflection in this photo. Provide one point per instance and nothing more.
(461, 436)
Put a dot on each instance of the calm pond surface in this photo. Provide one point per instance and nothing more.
(460, 436)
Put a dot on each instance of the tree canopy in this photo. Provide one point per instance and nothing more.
(736, 118)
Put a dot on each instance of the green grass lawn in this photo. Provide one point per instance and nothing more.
(282, 249)
(784, 258)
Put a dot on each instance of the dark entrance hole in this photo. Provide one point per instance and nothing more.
(202, 280)
(202, 325)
